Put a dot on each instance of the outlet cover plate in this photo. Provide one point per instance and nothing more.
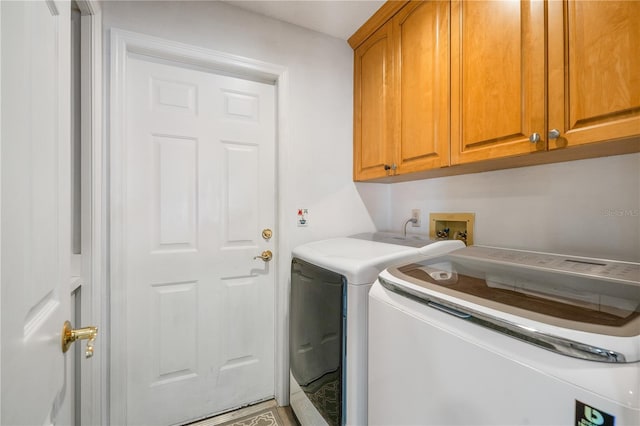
(415, 214)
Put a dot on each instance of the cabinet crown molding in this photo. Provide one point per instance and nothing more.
(377, 20)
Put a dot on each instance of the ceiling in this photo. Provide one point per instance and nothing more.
(337, 18)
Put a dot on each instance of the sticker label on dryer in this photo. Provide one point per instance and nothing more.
(590, 416)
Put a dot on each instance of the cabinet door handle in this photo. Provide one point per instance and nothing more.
(534, 138)
(554, 134)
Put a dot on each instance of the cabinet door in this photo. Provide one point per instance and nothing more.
(373, 131)
(594, 71)
(421, 40)
(497, 79)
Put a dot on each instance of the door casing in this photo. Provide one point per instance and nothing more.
(124, 43)
(93, 385)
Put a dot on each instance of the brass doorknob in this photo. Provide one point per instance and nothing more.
(70, 335)
(265, 256)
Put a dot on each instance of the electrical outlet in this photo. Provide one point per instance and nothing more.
(415, 214)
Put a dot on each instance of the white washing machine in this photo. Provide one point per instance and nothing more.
(489, 336)
(330, 281)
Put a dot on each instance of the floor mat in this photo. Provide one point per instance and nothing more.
(268, 417)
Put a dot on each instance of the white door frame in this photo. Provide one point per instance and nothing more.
(124, 43)
(0, 210)
(94, 241)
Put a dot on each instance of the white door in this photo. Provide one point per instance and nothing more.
(198, 191)
(35, 214)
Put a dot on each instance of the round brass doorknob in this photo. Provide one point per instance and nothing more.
(265, 256)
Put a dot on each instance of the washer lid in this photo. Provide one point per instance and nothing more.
(592, 301)
(360, 261)
(411, 240)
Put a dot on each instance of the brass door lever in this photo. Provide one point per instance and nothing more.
(265, 256)
(70, 335)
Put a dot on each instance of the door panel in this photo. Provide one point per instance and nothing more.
(421, 35)
(174, 193)
(35, 212)
(199, 189)
(373, 106)
(497, 79)
(594, 71)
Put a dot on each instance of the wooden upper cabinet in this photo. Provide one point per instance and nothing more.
(421, 43)
(455, 83)
(373, 105)
(497, 79)
(594, 71)
(401, 93)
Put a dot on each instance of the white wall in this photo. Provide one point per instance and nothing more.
(316, 155)
(568, 207)
(587, 207)
(318, 166)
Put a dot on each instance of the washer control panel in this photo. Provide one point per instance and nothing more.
(627, 272)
